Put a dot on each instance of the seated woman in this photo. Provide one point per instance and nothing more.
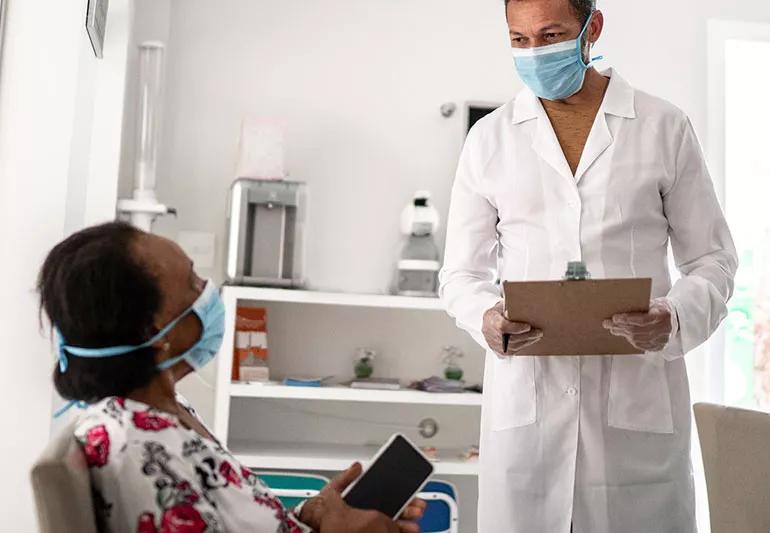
(132, 319)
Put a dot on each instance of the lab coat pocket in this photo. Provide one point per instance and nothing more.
(639, 398)
(513, 395)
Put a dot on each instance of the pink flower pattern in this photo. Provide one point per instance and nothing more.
(97, 446)
(173, 468)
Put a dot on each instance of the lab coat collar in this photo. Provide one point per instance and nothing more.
(618, 100)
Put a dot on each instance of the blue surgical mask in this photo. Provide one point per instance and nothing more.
(556, 71)
(209, 309)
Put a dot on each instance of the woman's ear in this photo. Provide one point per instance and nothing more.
(162, 350)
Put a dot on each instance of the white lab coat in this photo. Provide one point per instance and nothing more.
(603, 442)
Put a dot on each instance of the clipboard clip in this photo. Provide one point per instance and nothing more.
(576, 271)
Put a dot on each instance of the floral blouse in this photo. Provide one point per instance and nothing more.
(152, 475)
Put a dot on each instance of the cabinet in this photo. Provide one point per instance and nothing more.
(324, 430)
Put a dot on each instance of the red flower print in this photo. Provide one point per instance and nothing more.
(228, 472)
(97, 446)
(272, 503)
(149, 421)
(146, 523)
(294, 528)
(248, 476)
(182, 519)
(187, 493)
(121, 402)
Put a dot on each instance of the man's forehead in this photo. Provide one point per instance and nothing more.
(540, 14)
(539, 27)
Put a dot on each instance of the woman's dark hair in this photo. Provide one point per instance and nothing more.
(97, 294)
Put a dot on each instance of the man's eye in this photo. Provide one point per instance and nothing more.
(551, 36)
(517, 40)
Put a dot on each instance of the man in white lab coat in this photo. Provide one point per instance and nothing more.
(581, 166)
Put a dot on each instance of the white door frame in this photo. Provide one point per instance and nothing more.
(719, 32)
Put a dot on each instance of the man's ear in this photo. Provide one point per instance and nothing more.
(596, 26)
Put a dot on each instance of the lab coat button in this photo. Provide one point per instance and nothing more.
(572, 391)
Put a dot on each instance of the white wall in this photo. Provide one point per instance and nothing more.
(361, 84)
(56, 112)
(358, 83)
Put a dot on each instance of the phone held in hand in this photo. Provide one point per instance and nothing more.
(395, 475)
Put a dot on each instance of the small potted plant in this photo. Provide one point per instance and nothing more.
(363, 365)
(451, 358)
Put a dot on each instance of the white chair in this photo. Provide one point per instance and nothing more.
(62, 487)
(735, 444)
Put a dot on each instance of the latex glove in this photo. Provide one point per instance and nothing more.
(496, 326)
(649, 332)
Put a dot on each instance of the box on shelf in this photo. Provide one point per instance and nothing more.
(250, 353)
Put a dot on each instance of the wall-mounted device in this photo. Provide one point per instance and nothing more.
(265, 242)
(419, 263)
(143, 207)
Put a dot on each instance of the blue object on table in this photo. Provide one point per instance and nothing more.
(441, 514)
(292, 382)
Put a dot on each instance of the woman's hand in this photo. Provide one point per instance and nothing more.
(328, 512)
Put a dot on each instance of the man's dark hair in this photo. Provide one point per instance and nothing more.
(97, 294)
(581, 8)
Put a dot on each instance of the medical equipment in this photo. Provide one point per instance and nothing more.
(577, 271)
(143, 207)
(419, 264)
(265, 241)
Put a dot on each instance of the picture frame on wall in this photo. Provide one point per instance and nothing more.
(2, 27)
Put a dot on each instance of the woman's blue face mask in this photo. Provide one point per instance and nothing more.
(556, 71)
(209, 309)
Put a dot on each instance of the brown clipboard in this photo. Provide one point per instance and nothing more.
(570, 313)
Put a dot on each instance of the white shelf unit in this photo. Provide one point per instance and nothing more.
(346, 394)
(326, 429)
(334, 298)
(337, 457)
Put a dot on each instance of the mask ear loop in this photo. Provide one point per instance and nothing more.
(579, 45)
(98, 353)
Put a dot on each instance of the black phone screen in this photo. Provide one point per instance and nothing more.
(392, 480)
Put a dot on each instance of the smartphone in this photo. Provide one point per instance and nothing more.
(395, 475)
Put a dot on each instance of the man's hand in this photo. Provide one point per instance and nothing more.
(328, 512)
(649, 332)
(496, 325)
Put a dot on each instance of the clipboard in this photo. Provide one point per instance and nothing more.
(570, 313)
